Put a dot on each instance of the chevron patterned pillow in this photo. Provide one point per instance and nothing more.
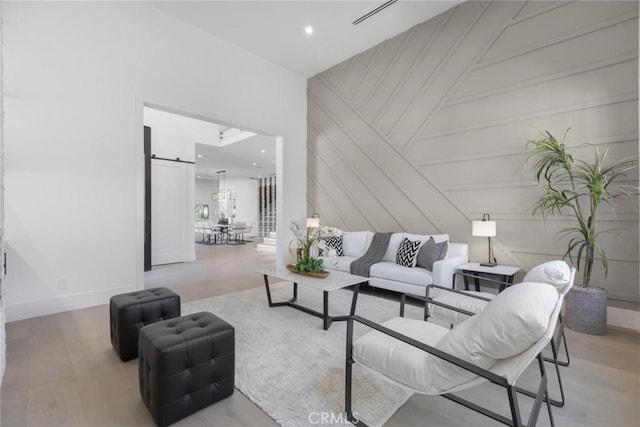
(333, 242)
(407, 254)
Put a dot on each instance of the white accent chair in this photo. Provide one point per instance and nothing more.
(495, 345)
(453, 306)
(211, 230)
(205, 229)
(236, 232)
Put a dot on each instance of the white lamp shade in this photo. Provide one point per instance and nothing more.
(313, 222)
(484, 228)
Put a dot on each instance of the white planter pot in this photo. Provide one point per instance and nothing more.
(586, 310)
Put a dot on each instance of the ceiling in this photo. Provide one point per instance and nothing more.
(238, 159)
(275, 30)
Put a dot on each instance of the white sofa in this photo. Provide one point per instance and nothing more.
(387, 274)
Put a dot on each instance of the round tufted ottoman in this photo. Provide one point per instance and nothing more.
(185, 364)
(130, 312)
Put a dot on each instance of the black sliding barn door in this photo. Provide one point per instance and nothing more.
(147, 198)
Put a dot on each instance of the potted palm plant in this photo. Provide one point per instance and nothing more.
(577, 188)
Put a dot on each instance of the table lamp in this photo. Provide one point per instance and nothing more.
(486, 228)
(313, 222)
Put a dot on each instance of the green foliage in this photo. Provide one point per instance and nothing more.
(310, 265)
(577, 188)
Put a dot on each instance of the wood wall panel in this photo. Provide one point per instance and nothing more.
(355, 73)
(587, 127)
(597, 48)
(427, 131)
(532, 8)
(567, 93)
(382, 60)
(330, 168)
(557, 24)
(339, 72)
(468, 40)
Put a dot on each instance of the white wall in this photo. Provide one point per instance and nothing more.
(174, 135)
(204, 189)
(245, 192)
(76, 77)
(3, 343)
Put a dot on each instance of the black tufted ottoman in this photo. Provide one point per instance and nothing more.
(185, 364)
(130, 312)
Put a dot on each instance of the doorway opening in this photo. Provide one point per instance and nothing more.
(199, 171)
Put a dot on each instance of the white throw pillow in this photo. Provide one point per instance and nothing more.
(511, 323)
(516, 318)
(556, 273)
(355, 243)
(474, 305)
(392, 247)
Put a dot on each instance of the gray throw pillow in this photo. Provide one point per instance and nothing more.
(431, 252)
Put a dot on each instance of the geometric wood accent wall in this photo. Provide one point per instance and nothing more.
(426, 131)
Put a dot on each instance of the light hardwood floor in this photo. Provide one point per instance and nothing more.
(62, 370)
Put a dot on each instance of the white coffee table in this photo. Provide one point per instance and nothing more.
(335, 280)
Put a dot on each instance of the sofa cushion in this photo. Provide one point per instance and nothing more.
(341, 263)
(407, 254)
(332, 242)
(392, 248)
(396, 238)
(355, 243)
(431, 252)
(424, 237)
(396, 359)
(556, 273)
(393, 271)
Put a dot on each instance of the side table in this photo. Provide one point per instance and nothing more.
(503, 273)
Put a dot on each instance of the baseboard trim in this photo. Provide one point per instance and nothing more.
(44, 307)
(629, 319)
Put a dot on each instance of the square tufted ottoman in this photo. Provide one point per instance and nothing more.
(130, 312)
(185, 364)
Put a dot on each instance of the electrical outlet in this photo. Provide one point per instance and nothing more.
(63, 283)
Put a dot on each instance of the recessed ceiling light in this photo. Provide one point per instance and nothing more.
(308, 30)
(263, 151)
(254, 164)
(198, 176)
(199, 155)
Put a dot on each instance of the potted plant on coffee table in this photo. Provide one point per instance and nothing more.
(577, 188)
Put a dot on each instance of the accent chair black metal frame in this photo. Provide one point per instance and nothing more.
(515, 417)
(557, 341)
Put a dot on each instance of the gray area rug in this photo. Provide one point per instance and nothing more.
(293, 369)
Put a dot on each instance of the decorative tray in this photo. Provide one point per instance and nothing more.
(320, 275)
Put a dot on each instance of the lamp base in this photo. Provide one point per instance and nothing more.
(488, 264)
